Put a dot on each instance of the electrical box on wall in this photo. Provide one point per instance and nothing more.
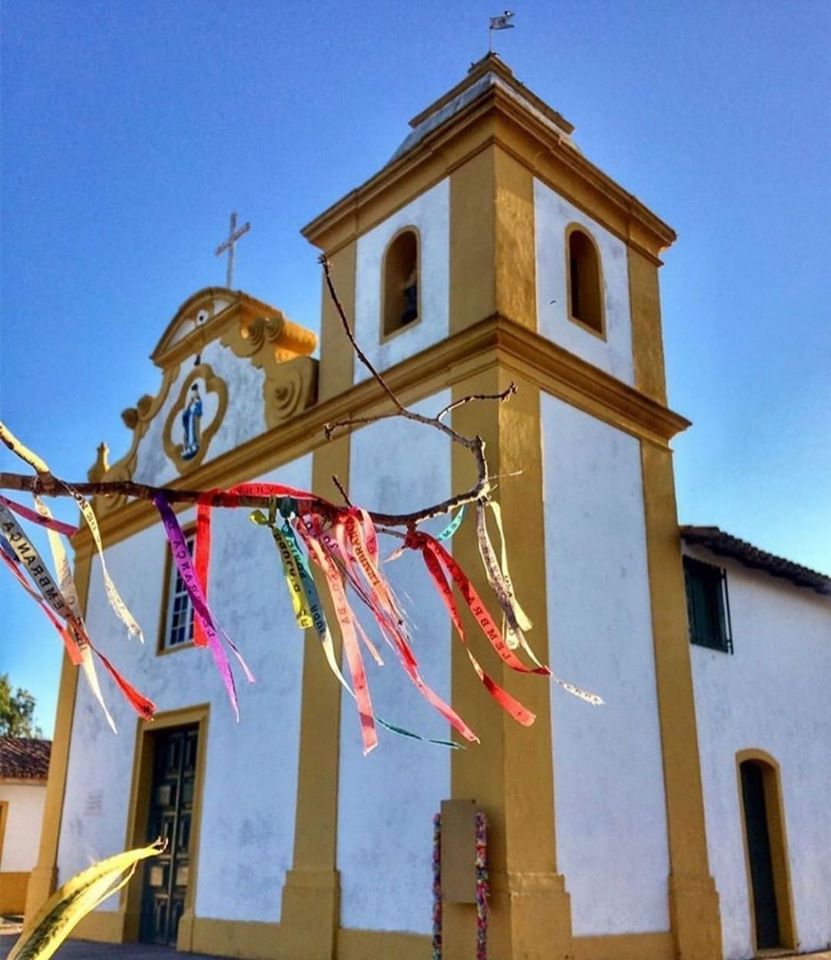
(458, 851)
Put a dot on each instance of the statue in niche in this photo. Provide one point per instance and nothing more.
(191, 422)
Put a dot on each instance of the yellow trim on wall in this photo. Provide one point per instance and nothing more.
(780, 854)
(13, 887)
(4, 815)
(45, 874)
(311, 894)
(382, 944)
(102, 926)
(625, 946)
(473, 240)
(647, 338)
(515, 244)
(545, 364)
(239, 938)
(337, 361)
(530, 908)
(694, 908)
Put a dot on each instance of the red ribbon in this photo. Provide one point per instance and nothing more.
(508, 703)
(50, 522)
(141, 704)
(416, 541)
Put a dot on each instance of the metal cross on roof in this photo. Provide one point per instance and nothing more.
(229, 244)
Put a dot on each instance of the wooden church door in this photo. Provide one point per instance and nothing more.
(171, 815)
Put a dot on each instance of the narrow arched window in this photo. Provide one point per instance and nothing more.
(400, 290)
(585, 281)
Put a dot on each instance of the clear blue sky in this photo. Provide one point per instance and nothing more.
(130, 130)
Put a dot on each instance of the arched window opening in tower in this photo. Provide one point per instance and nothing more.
(585, 289)
(401, 283)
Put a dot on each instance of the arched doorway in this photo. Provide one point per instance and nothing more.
(766, 851)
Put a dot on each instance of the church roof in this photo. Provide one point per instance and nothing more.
(24, 758)
(490, 106)
(483, 75)
(725, 545)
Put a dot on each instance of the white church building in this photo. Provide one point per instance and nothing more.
(688, 817)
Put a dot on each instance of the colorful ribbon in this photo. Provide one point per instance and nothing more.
(437, 904)
(309, 609)
(61, 599)
(482, 885)
(187, 572)
(40, 466)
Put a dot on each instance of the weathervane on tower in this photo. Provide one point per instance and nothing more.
(233, 235)
(502, 22)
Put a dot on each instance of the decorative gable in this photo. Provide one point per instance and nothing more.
(233, 367)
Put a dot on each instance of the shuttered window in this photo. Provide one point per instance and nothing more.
(708, 609)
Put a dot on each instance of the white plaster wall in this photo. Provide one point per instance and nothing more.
(430, 214)
(772, 695)
(244, 415)
(609, 790)
(553, 214)
(387, 800)
(247, 823)
(25, 816)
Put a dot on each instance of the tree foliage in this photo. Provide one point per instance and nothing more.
(17, 711)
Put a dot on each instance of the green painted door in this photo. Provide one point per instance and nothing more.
(759, 855)
(171, 814)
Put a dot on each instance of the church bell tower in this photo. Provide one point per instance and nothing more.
(490, 250)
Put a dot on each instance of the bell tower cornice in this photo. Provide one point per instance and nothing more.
(490, 107)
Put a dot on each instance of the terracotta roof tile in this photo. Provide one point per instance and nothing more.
(725, 545)
(23, 758)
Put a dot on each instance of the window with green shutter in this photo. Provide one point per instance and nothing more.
(708, 610)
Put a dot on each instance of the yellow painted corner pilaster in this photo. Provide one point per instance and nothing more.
(237, 938)
(647, 339)
(472, 238)
(337, 361)
(510, 775)
(311, 895)
(13, 887)
(43, 880)
(625, 946)
(693, 900)
(515, 242)
(372, 944)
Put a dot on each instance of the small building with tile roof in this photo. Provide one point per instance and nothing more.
(24, 769)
